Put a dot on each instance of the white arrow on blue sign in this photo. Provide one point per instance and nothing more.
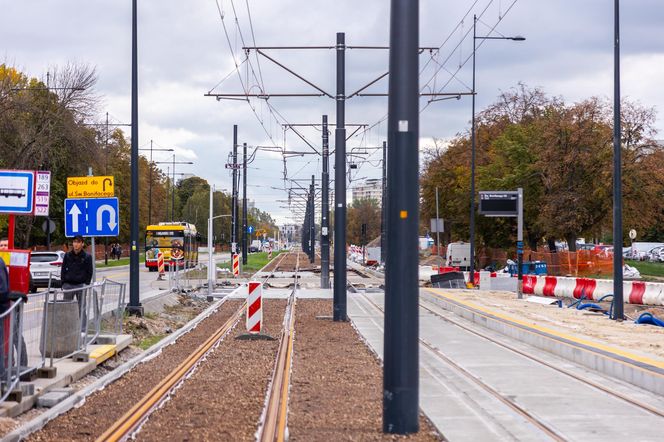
(92, 217)
(250, 229)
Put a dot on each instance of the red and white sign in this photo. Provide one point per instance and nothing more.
(236, 265)
(254, 307)
(42, 192)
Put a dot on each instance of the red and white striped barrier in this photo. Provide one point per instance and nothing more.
(635, 292)
(254, 307)
(236, 265)
(160, 265)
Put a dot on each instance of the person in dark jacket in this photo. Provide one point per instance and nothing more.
(76, 273)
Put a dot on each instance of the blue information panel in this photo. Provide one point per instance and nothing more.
(17, 191)
(92, 217)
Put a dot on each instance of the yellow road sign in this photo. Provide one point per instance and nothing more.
(90, 187)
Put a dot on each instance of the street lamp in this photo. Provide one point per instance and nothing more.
(472, 150)
(173, 183)
(150, 187)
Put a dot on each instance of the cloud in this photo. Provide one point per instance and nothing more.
(183, 53)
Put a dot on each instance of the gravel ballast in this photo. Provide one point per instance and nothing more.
(224, 398)
(337, 384)
(102, 408)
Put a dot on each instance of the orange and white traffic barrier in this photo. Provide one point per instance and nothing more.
(160, 265)
(236, 265)
(254, 307)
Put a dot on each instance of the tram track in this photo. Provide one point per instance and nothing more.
(506, 399)
(551, 433)
(570, 374)
(275, 412)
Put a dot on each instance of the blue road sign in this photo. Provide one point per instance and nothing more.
(250, 229)
(92, 217)
(17, 191)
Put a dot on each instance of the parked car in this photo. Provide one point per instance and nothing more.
(656, 254)
(45, 266)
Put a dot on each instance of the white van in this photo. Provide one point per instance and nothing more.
(458, 255)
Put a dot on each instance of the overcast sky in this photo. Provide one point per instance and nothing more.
(184, 53)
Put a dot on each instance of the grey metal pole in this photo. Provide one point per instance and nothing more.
(312, 220)
(519, 244)
(325, 212)
(437, 226)
(150, 186)
(92, 247)
(234, 197)
(339, 296)
(383, 207)
(401, 364)
(211, 268)
(134, 306)
(618, 307)
(173, 193)
(471, 275)
(244, 205)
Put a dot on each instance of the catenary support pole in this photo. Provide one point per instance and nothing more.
(400, 369)
(134, 306)
(519, 244)
(234, 196)
(325, 212)
(471, 277)
(312, 220)
(93, 248)
(618, 307)
(383, 211)
(244, 205)
(211, 268)
(150, 173)
(437, 225)
(339, 296)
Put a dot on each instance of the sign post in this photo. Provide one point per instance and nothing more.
(507, 204)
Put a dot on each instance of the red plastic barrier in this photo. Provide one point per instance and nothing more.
(636, 295)
(549, 286)
(529, 282)
(18, 263)
(442, 270)
(585, 286)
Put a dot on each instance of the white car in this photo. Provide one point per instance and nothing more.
(45, 266)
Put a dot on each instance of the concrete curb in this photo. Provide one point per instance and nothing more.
(79, 397)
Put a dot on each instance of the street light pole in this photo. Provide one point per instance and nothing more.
(618, 307)
(471, 275)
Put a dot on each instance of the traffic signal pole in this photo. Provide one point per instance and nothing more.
(400, 368)
(339, 296)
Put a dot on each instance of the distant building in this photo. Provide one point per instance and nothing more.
(290, 232)
(372, 188)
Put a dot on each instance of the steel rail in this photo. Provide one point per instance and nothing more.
(276, 411)
(131, 420)
(639, 404)
(486, 387)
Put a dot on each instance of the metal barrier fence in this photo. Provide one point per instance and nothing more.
(12, 352)
(57, 324)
